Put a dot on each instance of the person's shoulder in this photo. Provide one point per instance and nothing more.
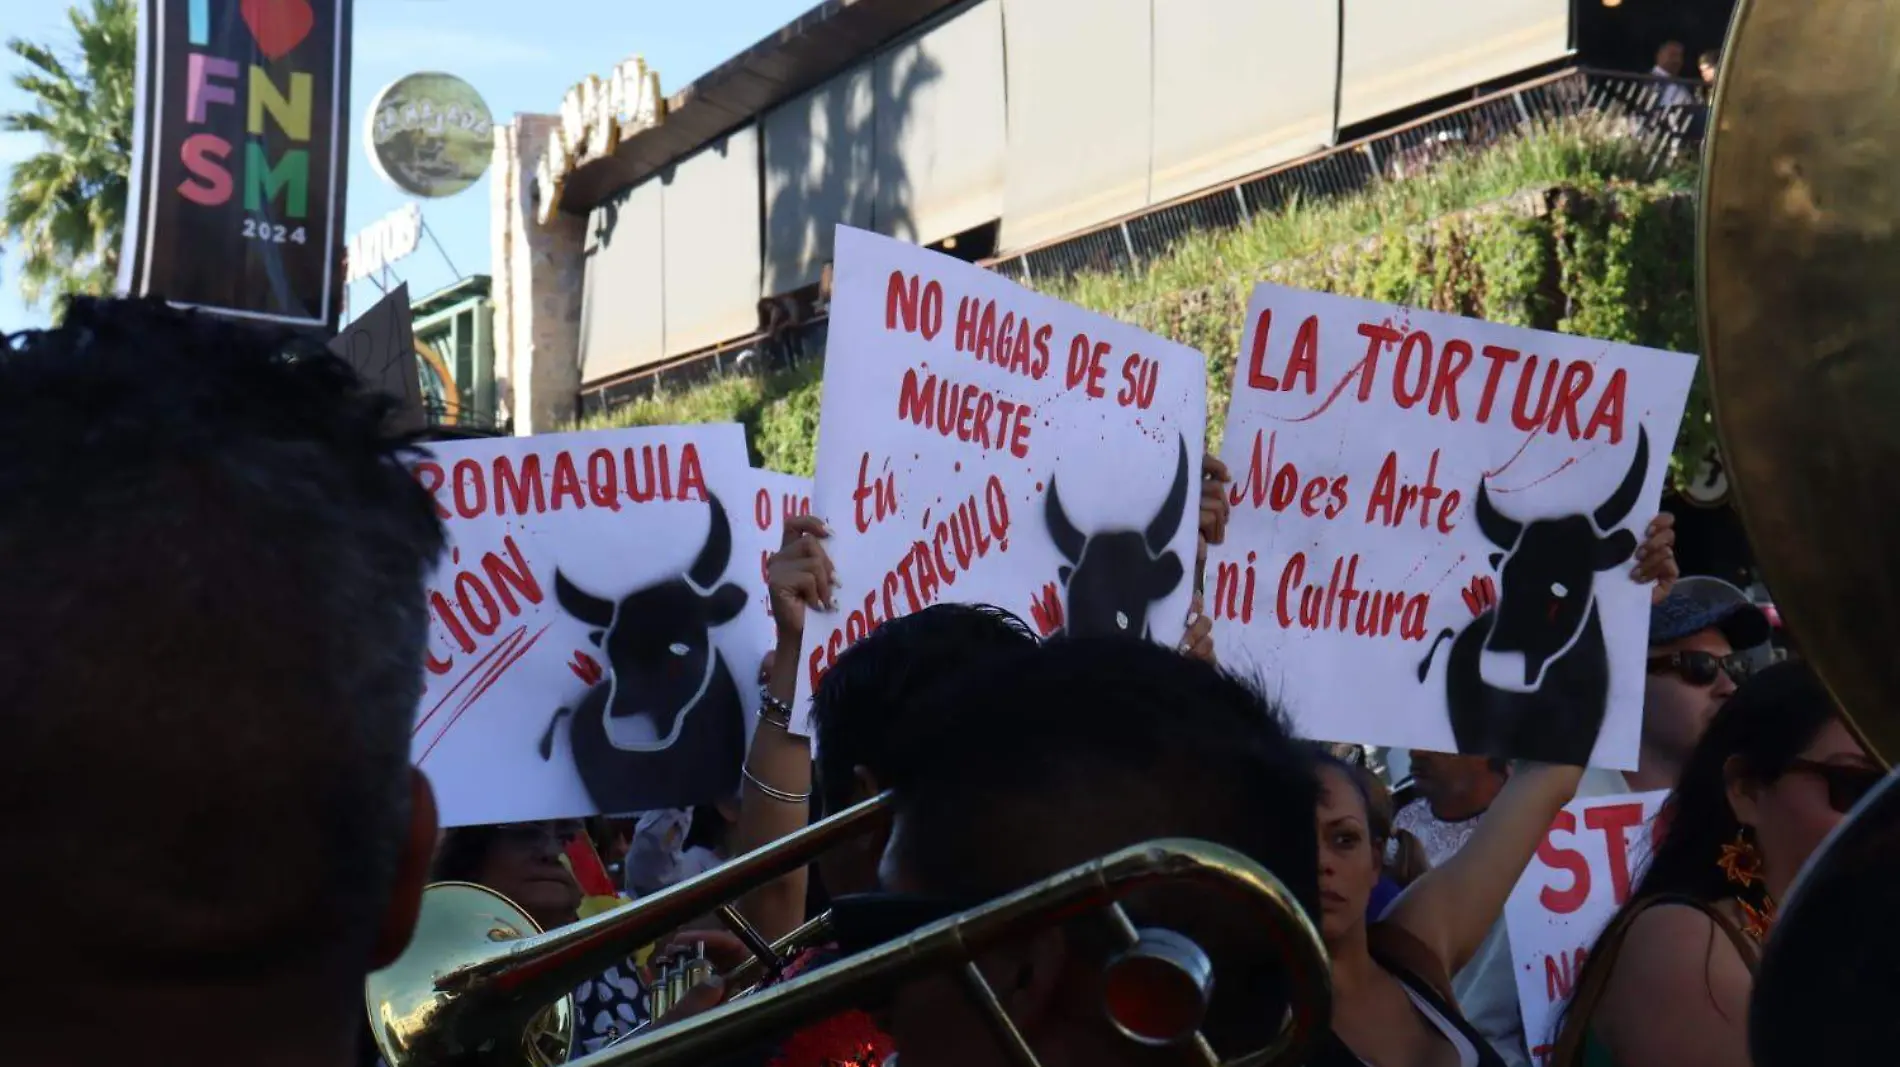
(1416, 813)
(1670, 940)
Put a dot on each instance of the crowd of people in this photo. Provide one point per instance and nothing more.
(214, 561)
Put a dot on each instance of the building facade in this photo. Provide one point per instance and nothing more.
(703, 221)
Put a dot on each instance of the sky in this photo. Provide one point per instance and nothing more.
(522, 57)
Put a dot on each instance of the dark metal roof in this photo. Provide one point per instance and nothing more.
(828, 39)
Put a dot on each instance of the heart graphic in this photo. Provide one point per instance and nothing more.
(278, 25)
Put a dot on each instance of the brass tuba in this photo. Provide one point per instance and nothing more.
(481, 987)
(1799, 279)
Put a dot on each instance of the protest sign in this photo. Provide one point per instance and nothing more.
(1434, 526)
(777, 497)
(380, 345)
(239, 158)
(955, 402)
(1589, 858)
(595, 637)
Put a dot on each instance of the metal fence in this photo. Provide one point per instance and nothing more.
(1661, 115)
(1664, 117)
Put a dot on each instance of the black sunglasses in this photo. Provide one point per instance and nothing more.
(1699, 668)
(1846, 783)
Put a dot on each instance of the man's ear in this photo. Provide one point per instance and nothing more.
(412, 873)
(863, 784)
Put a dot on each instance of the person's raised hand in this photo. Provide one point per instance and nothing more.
(799, 575)
(1198, 642)
(1215, 508)
(1656, 557)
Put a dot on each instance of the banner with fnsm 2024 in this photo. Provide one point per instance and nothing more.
(240, 158)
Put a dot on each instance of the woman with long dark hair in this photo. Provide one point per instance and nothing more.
(1667, 984)
(1392, 997)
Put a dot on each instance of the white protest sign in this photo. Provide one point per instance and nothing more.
(955, 403)
(1434, 526)
(1592, 854)
(775, 498)
(595, 629)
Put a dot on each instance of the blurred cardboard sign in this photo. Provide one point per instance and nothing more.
(381, 347)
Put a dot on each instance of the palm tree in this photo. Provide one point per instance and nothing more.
(65, 207)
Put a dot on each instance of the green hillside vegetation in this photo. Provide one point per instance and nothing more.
(1568, 228)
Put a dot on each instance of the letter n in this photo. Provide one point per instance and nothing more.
(292, 115)
(262, 182)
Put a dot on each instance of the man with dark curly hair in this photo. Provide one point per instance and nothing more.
(211, 594)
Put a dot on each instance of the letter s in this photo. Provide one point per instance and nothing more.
(1564, 901)
(202, 154)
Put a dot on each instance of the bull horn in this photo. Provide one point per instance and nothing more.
(713, 558)
(1068, 539)
(581, 604)
(1161, 531)
(1496, 527)
(1617, 508)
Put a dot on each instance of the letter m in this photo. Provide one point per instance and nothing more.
(262, 182)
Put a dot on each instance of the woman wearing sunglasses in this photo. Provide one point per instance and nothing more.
(1668, 983)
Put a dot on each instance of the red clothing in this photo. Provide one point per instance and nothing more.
(848, 1039)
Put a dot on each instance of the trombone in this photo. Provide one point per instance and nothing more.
(481, 987)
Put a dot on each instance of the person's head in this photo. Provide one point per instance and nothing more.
(213, 562)
(1059, 755)
(1778, 766)
(1458, 787)
(863, 709)
(1707, 64)
(1694, 635)
(521, 861)
(1352, 828)
(1669, 57)
(1778, 770)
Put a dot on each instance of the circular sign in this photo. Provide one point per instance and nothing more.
(430, 134)
(1707, 487)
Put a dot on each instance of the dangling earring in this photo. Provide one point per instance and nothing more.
(1741, 865)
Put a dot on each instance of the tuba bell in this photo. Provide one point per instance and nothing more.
(1799, 267)
(481, 987)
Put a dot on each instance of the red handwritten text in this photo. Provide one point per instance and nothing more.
(1017, 345)
(913, 307)
(600, 478)
(928, 567)
(1542, 393)
(880, 494)
(1278, 485)
(1613, 821)
(481, 599)
(966, 412)
(1341, 604)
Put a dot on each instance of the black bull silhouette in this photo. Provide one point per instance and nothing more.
(1546, 613)
(1114, 575)
(661, 666)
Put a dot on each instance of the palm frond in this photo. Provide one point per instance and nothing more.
(64, 211)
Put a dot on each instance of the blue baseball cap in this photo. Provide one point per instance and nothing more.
(1702, 603)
